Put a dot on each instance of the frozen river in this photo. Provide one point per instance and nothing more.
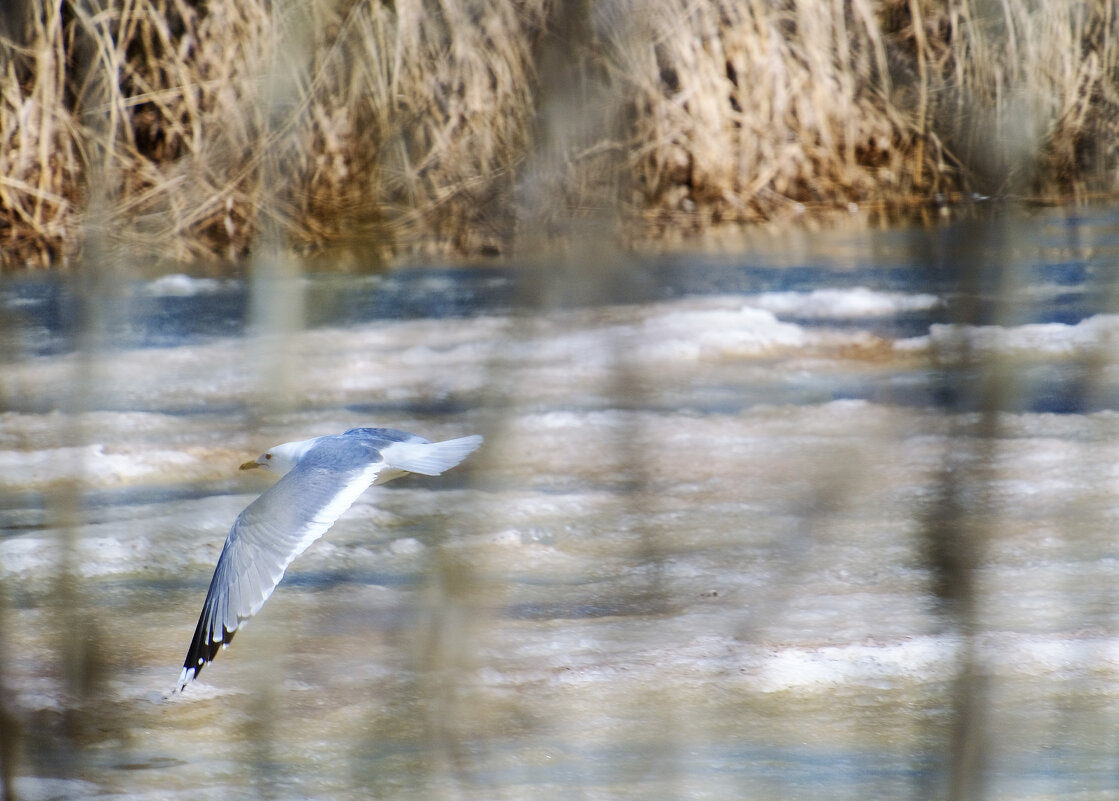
(830, 517)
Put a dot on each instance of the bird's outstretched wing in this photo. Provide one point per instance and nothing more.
(293, 513)
(266, 537)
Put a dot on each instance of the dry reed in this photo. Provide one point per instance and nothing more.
(174, 130)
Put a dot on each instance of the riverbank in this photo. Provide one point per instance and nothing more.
(177, 132)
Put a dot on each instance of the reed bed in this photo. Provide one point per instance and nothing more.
(156, 131)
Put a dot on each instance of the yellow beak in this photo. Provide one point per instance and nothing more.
(250, 465)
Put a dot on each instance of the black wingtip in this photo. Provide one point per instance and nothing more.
(201, 652)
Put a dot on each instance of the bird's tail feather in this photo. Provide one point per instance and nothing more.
(430, 458)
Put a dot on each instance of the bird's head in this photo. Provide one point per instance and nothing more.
(282, 458)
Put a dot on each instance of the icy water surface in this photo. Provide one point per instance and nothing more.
(831, 517)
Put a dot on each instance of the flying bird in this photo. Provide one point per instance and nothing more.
(320, 479)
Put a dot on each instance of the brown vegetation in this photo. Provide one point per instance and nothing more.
(183, 130)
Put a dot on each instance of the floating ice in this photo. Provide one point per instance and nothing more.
(182, 286)
(859, 302)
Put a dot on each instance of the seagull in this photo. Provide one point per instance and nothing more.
(320, 479)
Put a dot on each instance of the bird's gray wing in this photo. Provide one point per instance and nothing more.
(385, 435)
(271, 532)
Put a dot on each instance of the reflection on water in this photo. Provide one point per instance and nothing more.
(830, 519)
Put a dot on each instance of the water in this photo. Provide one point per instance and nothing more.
(801, 519)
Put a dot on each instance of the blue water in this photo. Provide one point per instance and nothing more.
(974, 268)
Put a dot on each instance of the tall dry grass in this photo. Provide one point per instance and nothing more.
(176, 130)
(745, 110)
(179, 129)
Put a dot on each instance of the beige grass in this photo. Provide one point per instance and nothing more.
(748, 110)
(158, 131)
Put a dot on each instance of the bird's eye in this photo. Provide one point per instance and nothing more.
(267, 456)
